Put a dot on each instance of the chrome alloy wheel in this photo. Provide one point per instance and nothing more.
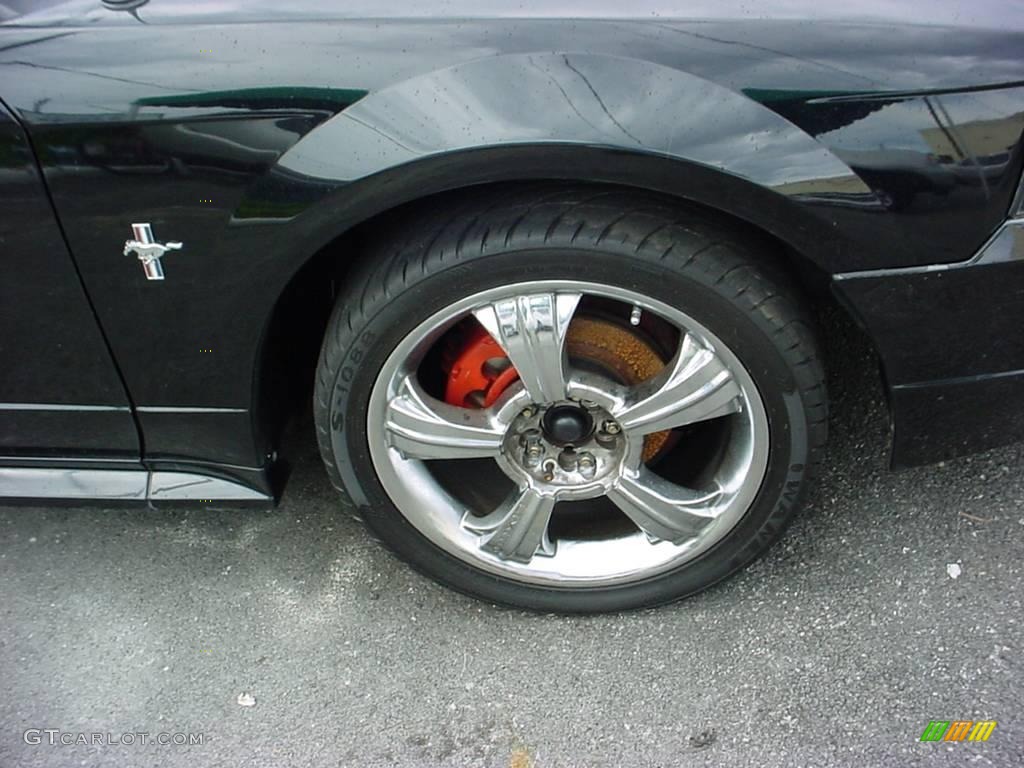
(563, 434)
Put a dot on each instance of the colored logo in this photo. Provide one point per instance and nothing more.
(958, 730)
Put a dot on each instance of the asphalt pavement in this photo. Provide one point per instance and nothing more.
(894, 600)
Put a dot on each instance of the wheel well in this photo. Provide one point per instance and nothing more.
(292, 342)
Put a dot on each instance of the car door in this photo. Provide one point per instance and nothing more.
(61, 398)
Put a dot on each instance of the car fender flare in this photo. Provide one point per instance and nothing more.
(559, 115)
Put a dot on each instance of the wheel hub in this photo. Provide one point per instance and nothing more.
(570, 450)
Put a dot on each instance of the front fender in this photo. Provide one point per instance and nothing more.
(566, 115)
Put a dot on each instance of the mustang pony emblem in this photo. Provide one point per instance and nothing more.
(148, 250)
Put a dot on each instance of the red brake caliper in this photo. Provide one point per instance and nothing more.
(478, 369)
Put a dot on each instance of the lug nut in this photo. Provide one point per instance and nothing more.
(608, 433)
(587, 464)
(530, 437)
(534, 448)
(533, 456)
(589, 404)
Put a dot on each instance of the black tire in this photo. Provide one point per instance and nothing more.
(679, 255)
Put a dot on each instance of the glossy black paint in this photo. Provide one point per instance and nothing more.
(954, 354)
(955, 418)
(188, 353)
(860, 139)
(978, 326)
(60, 394)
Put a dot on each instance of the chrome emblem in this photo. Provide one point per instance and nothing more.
(148, 250)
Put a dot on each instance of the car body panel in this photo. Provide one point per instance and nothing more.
(191, 372)
(259, 133)
(956, 381)
(60, 394)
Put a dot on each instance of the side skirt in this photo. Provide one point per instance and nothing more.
(157, 488)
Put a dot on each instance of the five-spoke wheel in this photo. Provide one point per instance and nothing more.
(567, 431)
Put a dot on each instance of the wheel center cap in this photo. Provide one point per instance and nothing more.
(567, 424)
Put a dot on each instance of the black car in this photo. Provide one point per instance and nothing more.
(547, 271)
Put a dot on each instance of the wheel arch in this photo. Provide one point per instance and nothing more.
(547, 118)
(574, 116)
(297, 323)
